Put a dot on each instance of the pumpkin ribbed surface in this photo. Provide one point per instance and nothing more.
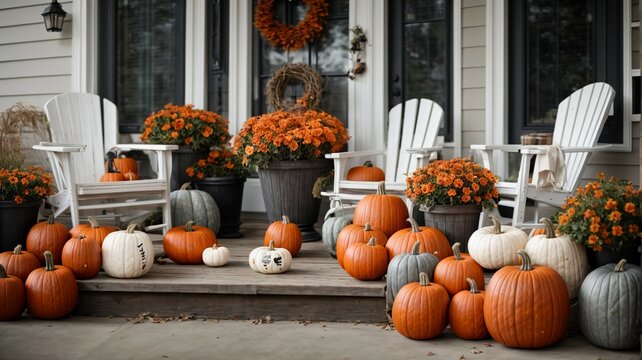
(195, 205)
(384, 212)
(12, 296)
(453, 271)
(466, 313)
(526, 307)
(185, 244)
(331, 229)
(127, 253)
(431, 239)
(355, 233)
(82, 256)
(93, 231)
(495, 246)
(285, 235)
(366, 261)
(47, 235)
(19, 263)
(366, 172)
(52, 291)
(420, 310)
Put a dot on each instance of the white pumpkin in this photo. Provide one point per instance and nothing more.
(562, 254)
(496, 246)
(127, 253)
(270, 260)
(216, 255)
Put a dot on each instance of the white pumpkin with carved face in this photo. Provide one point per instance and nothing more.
(127, 253)
(270, 260)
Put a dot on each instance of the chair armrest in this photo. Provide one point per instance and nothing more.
(505, 147)
(152, 147)
(353, 154)
(541, 149)
(424, 151)
(64, 148)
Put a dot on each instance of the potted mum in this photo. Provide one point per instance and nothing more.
(222, 175)
(194, 130)
(288, 148)
(604, 215)
(452, 193)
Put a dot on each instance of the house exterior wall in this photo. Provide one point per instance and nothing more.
(34, 64)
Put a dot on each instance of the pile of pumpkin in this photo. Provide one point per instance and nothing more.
(430, 284)
(120, 168)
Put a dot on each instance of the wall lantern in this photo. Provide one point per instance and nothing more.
(54, 16)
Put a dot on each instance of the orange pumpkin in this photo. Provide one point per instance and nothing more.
(12, 296)
(130, 176)
(19, 263)
(432, 240)
(420, 310)
(466, 313)
(353, 234)
(93, 230)
(111, 173)
(47, 235)
(366, 172)
(384, 212)
(367, 261)
(52, 291)
(285, 235)
(526, 306)
(124, 165)
(453, 271)
(185, 244)
(82, 256)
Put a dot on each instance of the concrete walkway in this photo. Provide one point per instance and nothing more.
(117, 338)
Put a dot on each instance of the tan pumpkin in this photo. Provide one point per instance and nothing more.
(19, 263)
(496, 246)
(354, 233)
(285, 235)
(384, 212)
(431, 241)
(366, 172)
(560, 253)
(47, 235)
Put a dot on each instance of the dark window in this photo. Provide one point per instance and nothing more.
(420, 54)
(555, 48)
(141, 57)
(327, 54)
(218, 91)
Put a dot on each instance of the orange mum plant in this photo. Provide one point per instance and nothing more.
(283, 135)
(219, 162)
(602, 213)
(24, 185)
(452, 182)
(184, 125)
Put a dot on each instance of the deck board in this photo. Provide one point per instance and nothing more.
(315, 288)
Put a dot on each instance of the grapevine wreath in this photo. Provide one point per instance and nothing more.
(290, 73)
(286, 36)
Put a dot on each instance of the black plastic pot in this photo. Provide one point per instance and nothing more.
(227, 191)
(183, 158)
(16, 221)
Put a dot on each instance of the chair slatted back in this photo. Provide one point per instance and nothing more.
(579, 122)
(420, 126)
(76, 118)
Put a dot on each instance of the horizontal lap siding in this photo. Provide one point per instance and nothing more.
(473, 75)
(35, 64)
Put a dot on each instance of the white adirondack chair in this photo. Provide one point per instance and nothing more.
(579, 122)
(412, 138)
(77, 160)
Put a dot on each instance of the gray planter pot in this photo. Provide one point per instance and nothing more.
(457, 222)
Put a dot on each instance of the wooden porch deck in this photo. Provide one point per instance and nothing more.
(316, 288)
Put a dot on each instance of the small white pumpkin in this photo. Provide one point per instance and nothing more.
(562, 254)
(270, 260)
(216, 255)
(127, 253)
(496, 246)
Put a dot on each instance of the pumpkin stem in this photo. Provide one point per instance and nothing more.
(619, 267)
(93, 222)
(111, 168)
(415, 248)
(186, 186)
(367, 227)
(548, 227)
(423, 279)
(131, 227)
(526, 260)
(413, 225)
(286, 219)
(50, 219)
(3, 273)
(17, 250)
(497, 226)
(381, 188)
(49, 263)
(473, 285)
(80, 237)
(188, 226)
(368, 163)
(372, 241)
(271, 245)
(214, 246)
(457, 252)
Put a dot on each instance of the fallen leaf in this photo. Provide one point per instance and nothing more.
(488, 345)
(474, 350)
(462, 357)
(430, 353)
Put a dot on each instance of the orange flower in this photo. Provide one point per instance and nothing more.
(615, 216)
(452, 192)
(18, 199)
(593, 239)
(13, 180)
(174, 134)
(630, 208)
(594, 228)
(617, 230)
(249, 150)
(458, 183)
(610, 204)
(589, 213)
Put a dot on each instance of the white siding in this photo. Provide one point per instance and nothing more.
(473, 48)
(34, 64)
